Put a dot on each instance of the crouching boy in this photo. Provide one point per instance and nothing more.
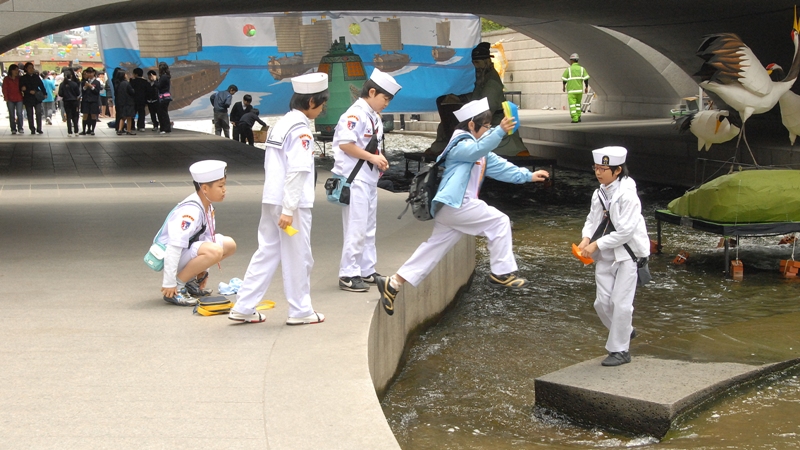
(192, 244)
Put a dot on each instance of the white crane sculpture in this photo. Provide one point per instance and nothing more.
(732, 72)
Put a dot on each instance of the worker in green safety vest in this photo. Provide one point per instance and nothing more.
(576, 83)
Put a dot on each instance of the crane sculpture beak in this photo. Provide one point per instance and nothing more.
(796, 26)
(719, 122)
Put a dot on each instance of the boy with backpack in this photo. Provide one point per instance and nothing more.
(356, 127)
(189, 239)
(457, 209)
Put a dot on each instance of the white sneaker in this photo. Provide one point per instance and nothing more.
(255, 317)
(313, 318)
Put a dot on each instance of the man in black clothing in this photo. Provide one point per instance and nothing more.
(30, 84)
(239, 109)
(246, 126)
(140, 86)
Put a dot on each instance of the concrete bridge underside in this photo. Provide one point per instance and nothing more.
(640, 54)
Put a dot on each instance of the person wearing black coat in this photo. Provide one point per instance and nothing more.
(239, 109)
(164, 97)
(246, 126)
(70, 91)
(140, 86)
(152, 97)
(125, 104)
(31, 84)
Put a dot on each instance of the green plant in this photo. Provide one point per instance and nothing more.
(487, 25)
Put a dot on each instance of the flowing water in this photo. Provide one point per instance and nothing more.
(468, 382)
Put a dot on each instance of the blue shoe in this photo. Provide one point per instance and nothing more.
(181, 299)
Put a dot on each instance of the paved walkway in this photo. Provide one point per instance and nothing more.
(92, 357)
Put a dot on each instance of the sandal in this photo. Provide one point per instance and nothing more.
(509, 280)
(130, 134)
(388, 293)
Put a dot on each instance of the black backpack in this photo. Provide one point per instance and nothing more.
(213, 98)
(424, 186)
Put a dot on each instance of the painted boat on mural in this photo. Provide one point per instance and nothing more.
(165, 38)
(307, 43)
(391, 41)
(442, 52)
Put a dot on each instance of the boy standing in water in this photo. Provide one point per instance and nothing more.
(613, 233)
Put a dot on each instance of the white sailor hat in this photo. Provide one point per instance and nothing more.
(310, 83)
(610, 156)
(208, 171)
(385, 81)
(472, 109)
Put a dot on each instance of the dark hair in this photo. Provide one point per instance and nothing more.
(90, 69)
(28, 64)
(369, 84)
(13, 67)
(255, 111)
(247, 97)
(624, 172)
(197, 185)
(163, 69)
(479, 121)
(151, 72)
(303, 101)
(233, 88)
(69, 74)
(138, 72)
(44, 74)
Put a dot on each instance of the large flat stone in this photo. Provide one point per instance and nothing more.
(643, 397)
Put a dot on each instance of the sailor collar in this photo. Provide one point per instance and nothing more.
(294, 119)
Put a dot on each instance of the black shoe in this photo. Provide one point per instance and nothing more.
(193, 289)
(13, 131)
(616, 359)
(371, 279)
(92, 133)
(21, 131)
(39, 132)
(82, 133)
(353, 284)
(388, 294)
(509, 280)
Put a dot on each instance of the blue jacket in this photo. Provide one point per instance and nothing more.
(222, 101)
(50, 86)
(462, 157)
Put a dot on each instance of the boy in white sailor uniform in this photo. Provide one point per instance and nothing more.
(458, 210)
(287, 201)
(615, 269)
(193, 245)
(353, 132)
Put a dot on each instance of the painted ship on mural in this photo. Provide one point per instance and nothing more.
(391, 43)
(442, 52)
(307, 43)
(173, 38)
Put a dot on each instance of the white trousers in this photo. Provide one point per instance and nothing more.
(359, 255)
(474, 218)
(616, 287)
(294, 254)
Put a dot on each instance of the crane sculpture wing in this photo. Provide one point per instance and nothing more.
(728, 60)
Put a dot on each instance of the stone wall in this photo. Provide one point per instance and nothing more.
(533, 69)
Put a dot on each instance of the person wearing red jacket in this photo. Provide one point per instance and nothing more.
(13, 98)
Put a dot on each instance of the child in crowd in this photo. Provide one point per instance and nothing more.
(90, 101)
(613, 233)
(245, 125)
(286, 202)
(70, 91)
(457, 209)
(125, 104)
(152, 97)
(193, 245)
(356, 127)
(140, 87)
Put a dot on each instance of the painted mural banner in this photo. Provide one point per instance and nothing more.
(427, 53)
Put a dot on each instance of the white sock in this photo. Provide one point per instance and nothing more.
(394, 283)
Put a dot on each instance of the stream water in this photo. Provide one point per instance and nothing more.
(468, 382)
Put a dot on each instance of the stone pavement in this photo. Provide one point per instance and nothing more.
(92, 357)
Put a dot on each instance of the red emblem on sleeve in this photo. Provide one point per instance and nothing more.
(306, 140)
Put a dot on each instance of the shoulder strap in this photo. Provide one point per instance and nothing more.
(607, 219)
(173, 210)
(450, 145)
